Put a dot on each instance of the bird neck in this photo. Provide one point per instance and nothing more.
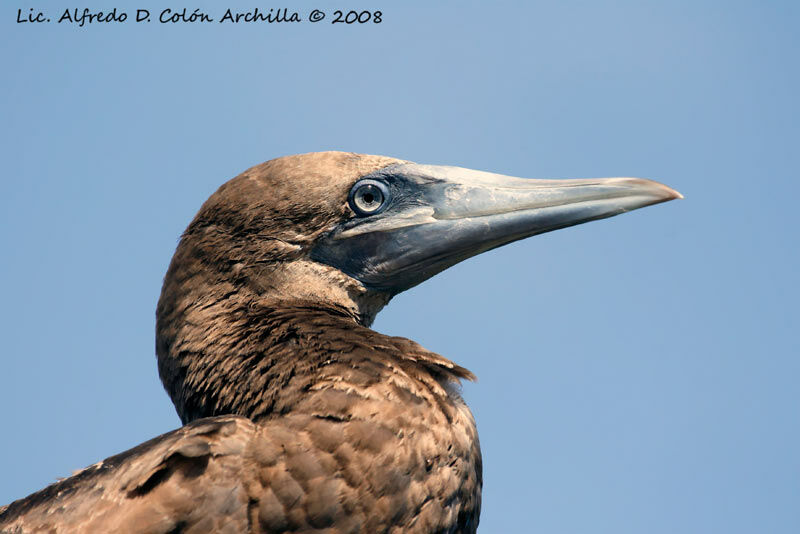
(258, 357)
(308, 283)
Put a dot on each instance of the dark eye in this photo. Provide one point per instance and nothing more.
(369, 197)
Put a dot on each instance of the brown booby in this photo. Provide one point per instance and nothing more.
(298, 417)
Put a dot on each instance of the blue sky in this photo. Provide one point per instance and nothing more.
(637, 374)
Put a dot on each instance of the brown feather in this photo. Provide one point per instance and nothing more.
(299, 418)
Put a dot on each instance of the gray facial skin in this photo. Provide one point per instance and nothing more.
(437, 216)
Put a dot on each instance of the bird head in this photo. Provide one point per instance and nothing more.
(357, 229)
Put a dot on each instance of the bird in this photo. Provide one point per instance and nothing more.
(297, 416)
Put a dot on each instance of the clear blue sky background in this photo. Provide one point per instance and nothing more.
(638, 374)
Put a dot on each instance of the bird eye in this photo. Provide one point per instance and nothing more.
(369, 197)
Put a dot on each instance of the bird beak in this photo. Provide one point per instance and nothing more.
(438, 216)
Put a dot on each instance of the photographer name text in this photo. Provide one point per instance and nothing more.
(86, 17)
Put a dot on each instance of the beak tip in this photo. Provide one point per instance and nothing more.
(672, 194)
(663, 192)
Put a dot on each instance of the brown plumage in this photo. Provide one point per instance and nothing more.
(299, 418)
